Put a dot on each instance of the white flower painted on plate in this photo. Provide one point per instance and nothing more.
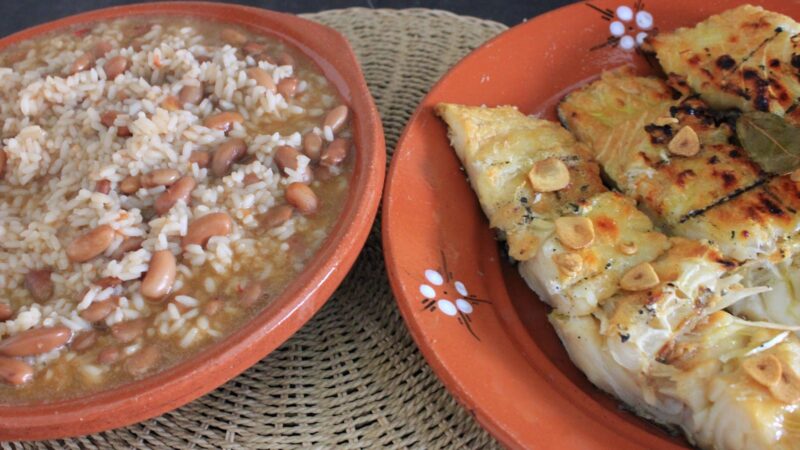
(628, 26)
(443, 294)
(447, 306)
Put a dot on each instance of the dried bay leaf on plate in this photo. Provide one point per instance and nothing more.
(772, 142)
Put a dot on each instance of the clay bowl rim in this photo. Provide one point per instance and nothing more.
(304, 296)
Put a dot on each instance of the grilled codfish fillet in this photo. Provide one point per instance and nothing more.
(498, 147)
(756, 219)
(744, 58)
(628, 121)
(618, 226)
(622, 339)
(706, 381)
(722, 195)
(760, 223)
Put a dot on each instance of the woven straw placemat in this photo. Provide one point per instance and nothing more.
(352, 377)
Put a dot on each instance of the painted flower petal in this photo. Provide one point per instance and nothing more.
(627, 43)
(644, 20)
(447, 307)
(464, 306)
(625, 13)
(640, 37)
(462, 290)
(434, 277)
(427, 291)
(616, 28)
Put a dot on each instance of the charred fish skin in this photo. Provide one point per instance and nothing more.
(745, 58)
(631, 123)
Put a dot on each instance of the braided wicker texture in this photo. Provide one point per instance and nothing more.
(352, 377)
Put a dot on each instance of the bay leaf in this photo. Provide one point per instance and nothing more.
(770, 141)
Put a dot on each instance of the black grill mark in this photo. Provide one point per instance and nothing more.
(726, 62)
(766, 41)
(659, 134)
(736, 193)
(796, 61)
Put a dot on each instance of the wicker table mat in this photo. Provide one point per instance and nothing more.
(352, 377)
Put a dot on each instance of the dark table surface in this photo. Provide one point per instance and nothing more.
(16, 15)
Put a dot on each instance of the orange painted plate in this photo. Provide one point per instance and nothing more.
(481, 329)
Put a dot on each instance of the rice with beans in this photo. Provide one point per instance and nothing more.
(105, 177)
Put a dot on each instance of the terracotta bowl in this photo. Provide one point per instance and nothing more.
(479, 326)
(286, 313)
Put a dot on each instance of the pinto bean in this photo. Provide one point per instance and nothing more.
(90, 244)
(190, 94)
(251, 293)
(287, 87)
(83, 340)
(108, 356)
(200, 158)
(226, 154)
(334, 153)
(130, 184)
(181, 190)
(101, 48)
(115, 66)
(285, 59)
(160, 275)
(102, 186)
(312, 146)
(127, 245)
(107, 282)
(128, 331)
(264, 56)
(109, 117)
(276, 216)
(35, 341)
(143, 361)
(336, 118)
(322, 173)
(203, 228)
(286, 158)
(302, 197)
(6, 312)
(123, 131)
(3, 158)
(250, 178)
(14, 371)
(81, 63)
(212, 307)
(171, 103)
(39, 284)
(232, 36)
(97, 311)
(253, 48)
(223, 121)
(262, 78)
(160, 177)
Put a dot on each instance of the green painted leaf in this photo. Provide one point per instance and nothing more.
(770, 141)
